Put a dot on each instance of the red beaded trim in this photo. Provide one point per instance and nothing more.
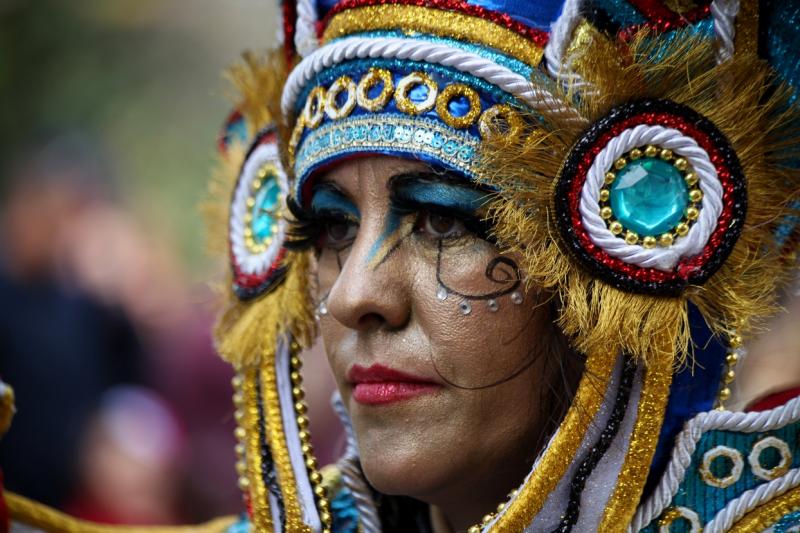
(252, 281)
(661, 19)
(538, 37)
(686, 267)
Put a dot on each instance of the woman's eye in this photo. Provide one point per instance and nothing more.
(338, 232)
(439, 226)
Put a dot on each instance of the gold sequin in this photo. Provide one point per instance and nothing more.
(405, 104)
(368, 81)
(437, 22)
(314, 109)
(563, 447)
(492, 122)
(454, 91)
(650, 414)
(262, 515)
(334, 111)
(767, 514)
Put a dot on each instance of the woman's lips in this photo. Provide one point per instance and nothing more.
(379, 385)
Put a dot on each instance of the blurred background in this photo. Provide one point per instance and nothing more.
(110, 113)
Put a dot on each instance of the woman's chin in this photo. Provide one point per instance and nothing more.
(405, 470)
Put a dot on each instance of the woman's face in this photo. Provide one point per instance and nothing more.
(434, 343)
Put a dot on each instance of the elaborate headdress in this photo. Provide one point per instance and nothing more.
(643, 155)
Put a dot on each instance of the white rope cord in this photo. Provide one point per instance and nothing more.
(724, 13)
(249, 262)
(560, 36)
(352, 476)
(305, 35)
(661, 258)
(751, 499)
(424, 51)
(686, 443)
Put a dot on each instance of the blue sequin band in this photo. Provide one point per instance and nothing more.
(389, 134)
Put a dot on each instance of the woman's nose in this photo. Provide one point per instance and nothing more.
(371, 294)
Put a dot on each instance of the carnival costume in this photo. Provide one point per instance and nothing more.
(643, 156)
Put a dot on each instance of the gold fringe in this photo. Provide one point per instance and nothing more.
(740, 98)
(40, 516)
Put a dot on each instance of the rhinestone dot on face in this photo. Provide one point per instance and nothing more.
(516, 298)
(465, 307)
(493, 306)
(441, 294)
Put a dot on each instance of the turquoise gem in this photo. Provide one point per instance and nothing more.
(649, 196)
(265, 210)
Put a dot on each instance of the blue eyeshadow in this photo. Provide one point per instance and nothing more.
(328, 199)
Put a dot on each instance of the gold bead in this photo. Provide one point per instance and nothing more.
(244, 483)
(248, 232)
(682, 229)
(732, 358)
(487, 518)
(666, 154)
(239, 449)
(238, 398)
(241, 467)
(610, 177)
(324, 505)
(604, 194)
(296, 378)
(666, 239)
(319, 490)
(635, 154)
(501, 507)
(315, 477)
(325, 517)
(474, 529)
(239, 433)
(251, 202)
(296, 362)
(730, 375)
(692, 213)
(631, 237)
(695, 195)
(237, 381)
(735, 341)
(649, 242)
(256, 184)
(302, 422)
(238, 414)
(606, 213)
(304, 435)
(651, 151)
(724, 394)
(513, 494)
(620, 163)
(615, 227)
(691, 179)
(681, 164)
(301, 407)
(298, 393)
(307, 448)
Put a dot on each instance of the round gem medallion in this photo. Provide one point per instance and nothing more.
(266, 207)
(649, 196)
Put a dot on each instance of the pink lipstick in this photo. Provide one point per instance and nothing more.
(380, 385)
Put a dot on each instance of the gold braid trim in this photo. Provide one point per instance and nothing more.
(630, 482)
(560, 453)
(437, 22)
(47, 519)
(259, 496)
(277, 445)
(769, 513)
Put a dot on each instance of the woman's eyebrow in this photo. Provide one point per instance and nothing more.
(437, 189)
(327, 196)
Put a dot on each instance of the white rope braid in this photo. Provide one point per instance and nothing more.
(352, 476)
(249, 262)
(424, 51)
(305, 35)
(686, 443)
(660, 258)
(751, 499)
(724, 13)
(560, 37)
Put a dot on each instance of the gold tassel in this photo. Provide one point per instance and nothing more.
(741, 99)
